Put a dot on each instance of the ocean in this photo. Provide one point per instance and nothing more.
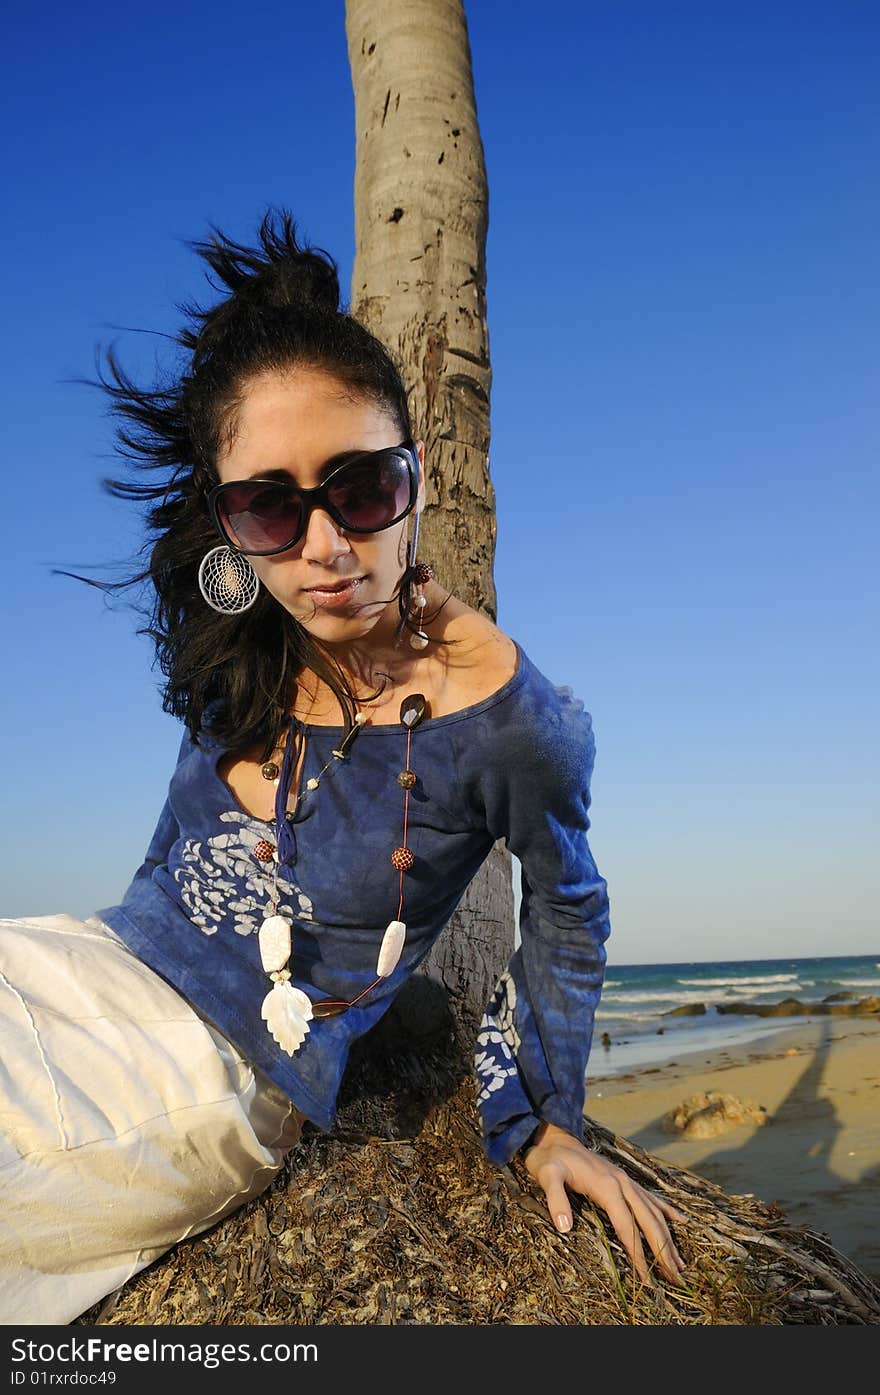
(636, 996)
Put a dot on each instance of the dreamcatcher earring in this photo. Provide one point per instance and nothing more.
(227, 581)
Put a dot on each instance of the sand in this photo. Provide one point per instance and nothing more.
(817, 1157)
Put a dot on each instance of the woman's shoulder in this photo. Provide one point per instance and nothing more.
(479, 657)
(541, 726)
(484, 659)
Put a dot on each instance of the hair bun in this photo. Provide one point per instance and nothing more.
(285, 273)
(303, 277)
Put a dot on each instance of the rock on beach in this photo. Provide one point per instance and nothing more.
(710, 1113)
(793, 1007)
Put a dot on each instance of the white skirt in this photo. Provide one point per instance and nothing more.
(127, 1122)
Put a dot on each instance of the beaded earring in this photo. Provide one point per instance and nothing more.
(422, 572)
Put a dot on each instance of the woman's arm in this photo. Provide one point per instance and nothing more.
(535, 1038)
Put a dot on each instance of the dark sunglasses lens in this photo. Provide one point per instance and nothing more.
(372, 494)
(261, 517)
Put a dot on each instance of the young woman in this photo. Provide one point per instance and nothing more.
(356, 740)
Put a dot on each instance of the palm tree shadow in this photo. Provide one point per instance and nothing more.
(737, 1166)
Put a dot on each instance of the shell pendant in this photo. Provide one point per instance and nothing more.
(274, 943)
(286, 1011)
(390, 949)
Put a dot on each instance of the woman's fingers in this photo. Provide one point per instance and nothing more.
(558, 1203)
(624, 1222)
(629, 1212)
(648, 1212)
(669, 1210)
(633, 1212)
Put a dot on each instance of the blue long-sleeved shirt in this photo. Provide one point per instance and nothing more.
(515, 766)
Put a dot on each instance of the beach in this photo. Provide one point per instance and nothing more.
(817, 1157)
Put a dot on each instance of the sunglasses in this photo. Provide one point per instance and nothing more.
(262, 517)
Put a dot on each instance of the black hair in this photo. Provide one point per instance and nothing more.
(283, 310)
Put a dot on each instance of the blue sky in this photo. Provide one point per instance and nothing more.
(683, 311)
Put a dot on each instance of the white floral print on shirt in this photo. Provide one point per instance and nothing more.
(220, 880)
(498, 1037)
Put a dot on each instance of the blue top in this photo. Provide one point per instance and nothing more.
(515, 766)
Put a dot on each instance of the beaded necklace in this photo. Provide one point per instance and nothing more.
(287, 1011)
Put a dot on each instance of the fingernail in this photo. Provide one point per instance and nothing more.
(563, 1223)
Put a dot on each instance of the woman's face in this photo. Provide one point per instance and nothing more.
(297, 422)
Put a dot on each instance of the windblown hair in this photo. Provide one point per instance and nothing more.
(283, 311)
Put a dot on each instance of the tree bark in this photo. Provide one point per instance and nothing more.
(419, 284)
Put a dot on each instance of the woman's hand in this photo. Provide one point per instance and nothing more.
(558, 1160)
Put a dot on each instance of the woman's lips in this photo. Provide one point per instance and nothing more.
(337, 596)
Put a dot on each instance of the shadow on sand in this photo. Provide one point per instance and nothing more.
(734, 1166)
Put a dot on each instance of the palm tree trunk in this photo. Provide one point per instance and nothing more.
(419, 284)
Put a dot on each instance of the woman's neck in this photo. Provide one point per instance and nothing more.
(364, 660)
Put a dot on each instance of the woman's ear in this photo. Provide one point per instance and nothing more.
(420, 497)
